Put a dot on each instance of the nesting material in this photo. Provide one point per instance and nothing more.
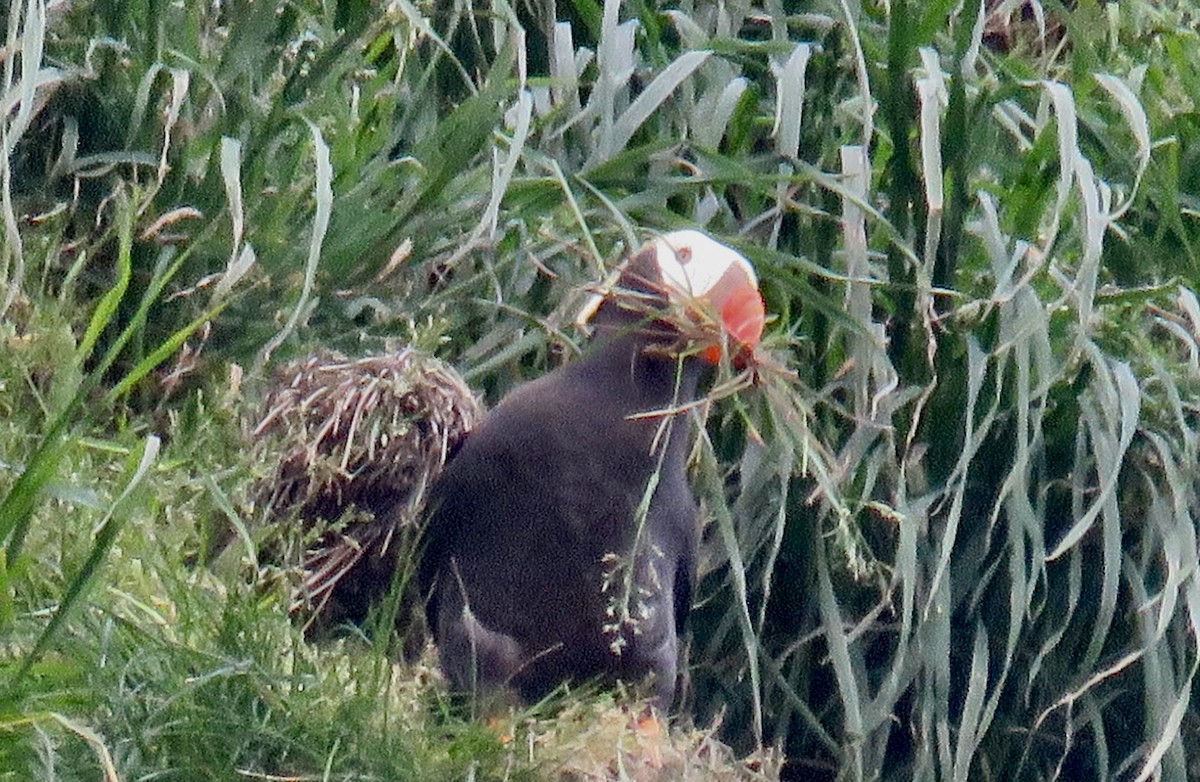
(687, 329)
(594, 741)
(356, 443)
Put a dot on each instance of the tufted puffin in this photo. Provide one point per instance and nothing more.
(561, 538)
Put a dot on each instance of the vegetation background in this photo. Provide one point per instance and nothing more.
(960, 542)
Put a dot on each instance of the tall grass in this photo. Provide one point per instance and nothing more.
(952, 536)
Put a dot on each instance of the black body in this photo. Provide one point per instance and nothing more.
(535, 522)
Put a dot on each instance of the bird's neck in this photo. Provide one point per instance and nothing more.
(644, 371)
(640, 377)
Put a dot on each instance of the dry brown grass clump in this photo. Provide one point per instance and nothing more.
(597, 741)
(356, 443)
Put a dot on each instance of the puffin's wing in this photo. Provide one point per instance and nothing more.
(534, 470)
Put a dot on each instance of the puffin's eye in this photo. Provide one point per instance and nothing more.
(683, 254)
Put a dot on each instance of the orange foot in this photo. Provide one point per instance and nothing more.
(498, 725)
(649, 730)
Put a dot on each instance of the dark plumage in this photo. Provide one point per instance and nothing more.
(541, 568)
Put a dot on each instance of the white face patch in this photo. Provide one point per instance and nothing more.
(693, 264)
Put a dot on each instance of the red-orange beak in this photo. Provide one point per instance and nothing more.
(743, 317)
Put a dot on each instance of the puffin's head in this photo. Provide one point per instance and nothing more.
(709, 290)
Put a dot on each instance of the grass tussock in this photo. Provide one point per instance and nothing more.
(383, 421)
(356, 444)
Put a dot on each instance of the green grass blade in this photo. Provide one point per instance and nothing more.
(789, 102)
(110, 526)
(169, 347)
(970, 727)
(16, 511)
(737, 568)
(324, 197)
(106, 308)
(652, 98)
(1126, 398)
(839, 655)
